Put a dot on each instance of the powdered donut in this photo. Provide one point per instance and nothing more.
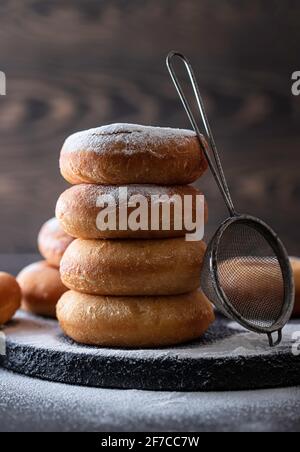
(10, 297)
(133, 267)
(121, 154)
(296, 269)
(53, 242)
(77, 210)
(134, 322)
(42, 288)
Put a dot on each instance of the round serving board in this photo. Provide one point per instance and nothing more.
(226, 358)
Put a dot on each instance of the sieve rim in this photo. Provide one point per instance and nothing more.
(283, 259)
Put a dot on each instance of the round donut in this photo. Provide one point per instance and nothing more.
(133, 267)
(10, 297)
(77, 210)
(121, 154)
(53, 242)
(247, 279)
(134, 321)
(295, 262)
(42, 288)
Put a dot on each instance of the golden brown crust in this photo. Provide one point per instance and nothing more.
(42, 288)
(133, 267)
(122, 154)
(10, 297)
(77, 210)
(134, 322)
(296, 269)
(53, 242)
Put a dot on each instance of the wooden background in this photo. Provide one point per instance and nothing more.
(74, 64)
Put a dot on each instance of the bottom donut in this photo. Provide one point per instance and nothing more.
(134, 321)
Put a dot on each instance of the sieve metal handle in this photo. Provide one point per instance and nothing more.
(278, 341)
(216, 168)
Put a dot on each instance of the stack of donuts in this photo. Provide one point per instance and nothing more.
(130, 288)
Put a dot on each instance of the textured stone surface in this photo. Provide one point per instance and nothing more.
(226, 358)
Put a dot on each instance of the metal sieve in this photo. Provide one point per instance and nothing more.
(247, 272)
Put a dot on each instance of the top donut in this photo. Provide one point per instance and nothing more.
(121, 154)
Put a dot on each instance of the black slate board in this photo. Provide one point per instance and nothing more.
(226, 358)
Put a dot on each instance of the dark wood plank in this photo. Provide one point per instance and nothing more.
(74, 65)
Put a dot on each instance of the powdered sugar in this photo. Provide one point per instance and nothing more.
(155, 133)
(89, 193)
(127, 137)
(53, 225)
(229, 341)
(34, 405)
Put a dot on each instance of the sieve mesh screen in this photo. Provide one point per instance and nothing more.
(250, 275)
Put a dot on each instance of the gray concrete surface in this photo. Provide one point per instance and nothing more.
(34, 405)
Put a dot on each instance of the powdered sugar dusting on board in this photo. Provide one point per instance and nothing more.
(226, 357)
(229, 341)
(127, 138)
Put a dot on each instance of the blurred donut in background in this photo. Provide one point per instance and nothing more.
(10, 297)
(295, 262)
(42, 288)
(53, 242)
